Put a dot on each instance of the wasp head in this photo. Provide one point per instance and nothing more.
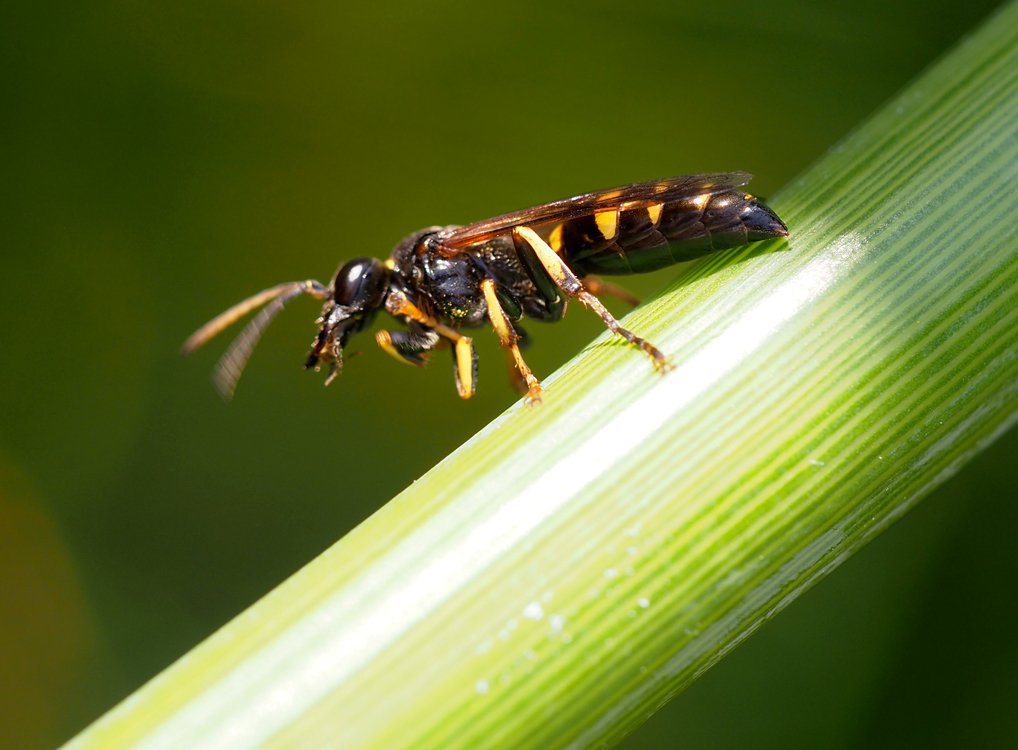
(357, 292)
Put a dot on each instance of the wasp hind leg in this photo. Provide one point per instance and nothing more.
(529, 243)
(599, 287)
(510, 339)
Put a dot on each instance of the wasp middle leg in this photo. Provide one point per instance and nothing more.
(529, 243)
(516, 380)
(509, 339)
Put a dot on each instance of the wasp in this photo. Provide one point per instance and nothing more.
(442, 280)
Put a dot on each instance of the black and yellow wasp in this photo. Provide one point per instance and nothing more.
(441, 280)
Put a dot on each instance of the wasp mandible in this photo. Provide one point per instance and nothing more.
(444, 279)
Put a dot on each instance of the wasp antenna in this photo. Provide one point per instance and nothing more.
(227, 318)
(230, 366)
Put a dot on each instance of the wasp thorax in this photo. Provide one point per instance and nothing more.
(361, 284)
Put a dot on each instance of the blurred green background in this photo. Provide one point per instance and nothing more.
(164, 161)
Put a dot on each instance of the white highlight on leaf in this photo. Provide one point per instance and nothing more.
(533, 611)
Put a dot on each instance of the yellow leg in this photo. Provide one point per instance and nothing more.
(567, 281)
(598, 287)
(398, 305)
(510, 340)
(409, 347)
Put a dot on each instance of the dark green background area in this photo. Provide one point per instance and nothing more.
(163, 161)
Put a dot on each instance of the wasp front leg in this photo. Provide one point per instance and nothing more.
(509, 339)
(530, 245)
(464, 357)
(409, 347)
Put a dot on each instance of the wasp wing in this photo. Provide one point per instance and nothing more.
(655, 191)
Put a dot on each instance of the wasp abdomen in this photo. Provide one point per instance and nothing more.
(643, 237)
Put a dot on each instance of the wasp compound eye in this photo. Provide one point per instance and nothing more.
(361, 283)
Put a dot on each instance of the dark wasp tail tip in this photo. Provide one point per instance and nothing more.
(762, 223)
